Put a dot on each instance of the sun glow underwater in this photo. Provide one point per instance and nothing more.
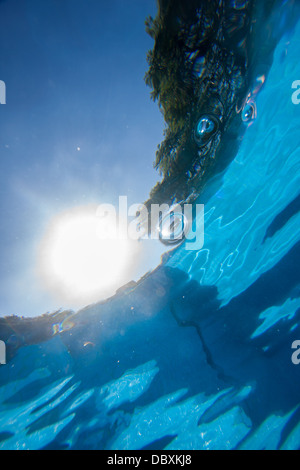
(89, 252)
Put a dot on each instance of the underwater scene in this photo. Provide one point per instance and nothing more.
(150, 235)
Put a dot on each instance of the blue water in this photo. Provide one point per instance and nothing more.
(199, 355)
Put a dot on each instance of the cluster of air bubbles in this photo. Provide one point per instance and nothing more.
(173, 227)
(206, 128)
(249, 112)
